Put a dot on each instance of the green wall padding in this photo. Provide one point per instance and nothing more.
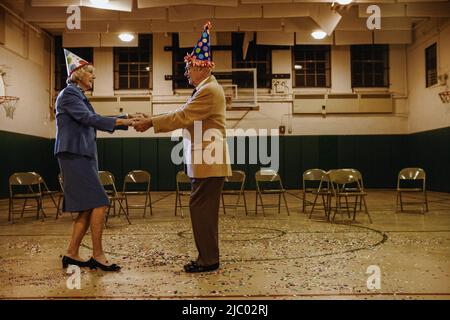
(431, 151)
(21, 153)
(378, 157)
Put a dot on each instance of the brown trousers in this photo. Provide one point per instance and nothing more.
(204, 206)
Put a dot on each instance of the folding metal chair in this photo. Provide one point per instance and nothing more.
(47, 192)
(361, 183)
(107, 179)
(61, 197)
(346, 183)
(25, 186)
(269, 177)
(135, 179)
(416, 177)
(182, 179)
(324, 191)
(237, 178)
(310, 181)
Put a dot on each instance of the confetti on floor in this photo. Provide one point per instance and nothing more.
(272, 257)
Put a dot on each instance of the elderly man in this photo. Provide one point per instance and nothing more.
(206, 156)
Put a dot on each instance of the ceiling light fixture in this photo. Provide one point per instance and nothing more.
(343, 2)
(318, 34)
(126, 37)
(298, 67)
(99, 2)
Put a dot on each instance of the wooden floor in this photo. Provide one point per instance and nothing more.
(262, 257)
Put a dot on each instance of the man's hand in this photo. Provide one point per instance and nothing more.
(142, 124)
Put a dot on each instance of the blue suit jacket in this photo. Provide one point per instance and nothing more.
(77, 123)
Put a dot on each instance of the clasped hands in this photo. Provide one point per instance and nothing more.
(139, 121)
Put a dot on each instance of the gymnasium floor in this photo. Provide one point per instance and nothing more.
(272, 257)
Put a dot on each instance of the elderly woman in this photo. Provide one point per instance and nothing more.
(76, 151)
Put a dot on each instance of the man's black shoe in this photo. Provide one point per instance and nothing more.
(193, 267)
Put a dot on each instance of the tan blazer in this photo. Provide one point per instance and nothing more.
(204, 138)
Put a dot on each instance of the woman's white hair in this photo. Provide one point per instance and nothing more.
(78, 74)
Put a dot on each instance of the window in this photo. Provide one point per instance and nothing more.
(311, 66)
(431, 65)
(132, 65)
(60, 61)
(258, 56)
(370, 65)
(179, 81)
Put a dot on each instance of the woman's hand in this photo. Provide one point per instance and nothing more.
(124, 122)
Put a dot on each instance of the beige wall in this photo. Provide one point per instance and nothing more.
(426, 111)
(104, 66)
(341, 69)
(276, 109)
(26, 60)
(162, 64)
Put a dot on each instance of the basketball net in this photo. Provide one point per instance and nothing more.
(445, 96)
(9, 103)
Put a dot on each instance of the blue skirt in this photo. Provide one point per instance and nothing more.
(82, 187)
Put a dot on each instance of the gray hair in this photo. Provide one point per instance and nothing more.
(77, 75)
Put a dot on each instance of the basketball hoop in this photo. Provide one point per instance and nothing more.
(445, 96)
(9, 103)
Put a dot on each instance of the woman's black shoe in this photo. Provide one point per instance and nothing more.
(94, 264)
(67, 260)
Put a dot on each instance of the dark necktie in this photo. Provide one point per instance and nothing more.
(193, 92)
